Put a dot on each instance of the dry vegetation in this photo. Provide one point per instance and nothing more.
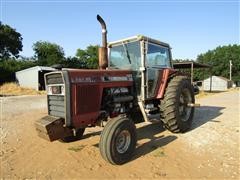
(207, 93)
(12, 89)
(204, 94)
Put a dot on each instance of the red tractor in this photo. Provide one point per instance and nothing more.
(135, 75)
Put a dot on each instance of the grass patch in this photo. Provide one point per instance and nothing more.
(76, 148)
(204, 94)
(12, 89)
(159, 152)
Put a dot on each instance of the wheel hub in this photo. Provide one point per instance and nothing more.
(123, 141)
(184, 109)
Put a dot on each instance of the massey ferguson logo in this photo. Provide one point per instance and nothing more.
(128, 77)
(85, 79)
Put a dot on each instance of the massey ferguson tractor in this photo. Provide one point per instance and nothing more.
(135, 75)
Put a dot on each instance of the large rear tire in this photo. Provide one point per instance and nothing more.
(176, 113)
(118, 141)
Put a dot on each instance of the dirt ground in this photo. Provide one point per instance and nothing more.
(209, 150)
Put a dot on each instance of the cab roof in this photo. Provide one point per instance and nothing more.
(137, 38)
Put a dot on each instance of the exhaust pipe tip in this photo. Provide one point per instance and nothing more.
(102, 22)
(98, 17)
(103, 59)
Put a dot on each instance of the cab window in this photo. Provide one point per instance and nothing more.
(157, 56)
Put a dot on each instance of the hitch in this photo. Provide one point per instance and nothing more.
(193, 105)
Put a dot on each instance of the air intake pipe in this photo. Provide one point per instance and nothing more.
(102, 51)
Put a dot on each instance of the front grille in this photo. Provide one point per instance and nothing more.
(55, 78)
(56, 106)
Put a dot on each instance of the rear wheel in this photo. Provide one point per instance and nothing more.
(118, 141)
(79, 134)
(176, 113)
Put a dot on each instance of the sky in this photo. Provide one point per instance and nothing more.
(190, 27)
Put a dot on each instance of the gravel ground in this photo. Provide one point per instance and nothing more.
(13, 105)
(209, 150)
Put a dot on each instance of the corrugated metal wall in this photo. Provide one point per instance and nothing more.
(28, 78)
(218, 84)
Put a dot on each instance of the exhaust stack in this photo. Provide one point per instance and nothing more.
(102, 51)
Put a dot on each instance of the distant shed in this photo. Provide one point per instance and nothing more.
(189, 65)
(216, 83)
(33, 77)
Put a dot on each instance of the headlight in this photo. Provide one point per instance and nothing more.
(56, 90)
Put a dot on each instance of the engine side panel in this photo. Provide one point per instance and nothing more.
(87, 90)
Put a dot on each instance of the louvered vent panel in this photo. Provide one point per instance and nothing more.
(56, 106)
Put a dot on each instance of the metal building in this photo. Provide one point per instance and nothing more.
(190, 65)
(33, 77)
(216, 83)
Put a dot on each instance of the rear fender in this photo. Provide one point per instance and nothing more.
(163, 80)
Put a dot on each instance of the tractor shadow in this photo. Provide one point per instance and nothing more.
(152, 133)
(154, 138)
(91, 134)
(205, 114)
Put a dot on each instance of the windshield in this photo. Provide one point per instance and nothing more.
(126, 56)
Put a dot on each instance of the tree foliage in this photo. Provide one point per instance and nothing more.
(8, 67)
(88, 58)
(48, 53)
(219, 60)
(74, 62)
(10, 42)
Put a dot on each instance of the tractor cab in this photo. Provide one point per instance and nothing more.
(145, 57)
(139, 52)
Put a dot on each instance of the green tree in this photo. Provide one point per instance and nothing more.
(48, 53)
(8, 67)
(73, 62)
(219, 60)
(10, 42)
(88, 58)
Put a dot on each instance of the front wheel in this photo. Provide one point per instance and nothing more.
(118, 141)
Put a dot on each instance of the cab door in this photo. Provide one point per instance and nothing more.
(157, 58)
